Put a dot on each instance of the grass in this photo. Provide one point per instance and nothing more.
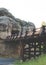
(39, 61)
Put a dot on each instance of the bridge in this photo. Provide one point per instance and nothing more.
(33, 43)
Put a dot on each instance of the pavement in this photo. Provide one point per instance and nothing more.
(7, 61)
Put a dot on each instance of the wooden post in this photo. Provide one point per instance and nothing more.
(34, 49)
(39, 47)
(44, 48)
(29, 51)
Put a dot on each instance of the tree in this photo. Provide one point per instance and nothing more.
(43, 23)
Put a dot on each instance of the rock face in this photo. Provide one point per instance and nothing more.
(25, 26)
(9, 23)
(21, 25)
(5, 12)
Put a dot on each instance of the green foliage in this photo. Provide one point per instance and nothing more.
(39, 61)
(43, 23)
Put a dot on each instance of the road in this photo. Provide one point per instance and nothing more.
(7, 61)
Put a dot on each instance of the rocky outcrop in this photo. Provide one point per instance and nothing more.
(9, 23)
(21, 24)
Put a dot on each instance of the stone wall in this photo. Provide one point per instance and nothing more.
(10, 49)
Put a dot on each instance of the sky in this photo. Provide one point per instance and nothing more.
(28, 10)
